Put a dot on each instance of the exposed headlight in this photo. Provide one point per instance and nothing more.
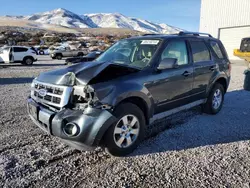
(84, 95)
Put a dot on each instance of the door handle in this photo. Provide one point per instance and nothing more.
(186, 73)
(212, 68)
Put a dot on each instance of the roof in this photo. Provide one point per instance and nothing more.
(183, 34)
(18, 46)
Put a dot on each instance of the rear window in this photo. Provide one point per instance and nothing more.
(216, 49)
(245, 45)
(200, 51)
(19, 49)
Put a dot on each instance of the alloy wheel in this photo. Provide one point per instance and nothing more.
(217, 99)
(29, 61)
(126, 131)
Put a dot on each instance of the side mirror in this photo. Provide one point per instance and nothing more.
(167, 63)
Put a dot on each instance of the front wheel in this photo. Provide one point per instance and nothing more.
(215, 100)
(127, 132)
(59, 57)
(80, 54)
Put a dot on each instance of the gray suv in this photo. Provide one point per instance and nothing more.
(111, 101)
(66, 52)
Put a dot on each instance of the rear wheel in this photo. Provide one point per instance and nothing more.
(215, 100)
(41, 52)
(59, 56)
(28, 61)
(127, 132)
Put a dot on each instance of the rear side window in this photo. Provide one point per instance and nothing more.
(200, 51)
(19, 49)
(216, 49)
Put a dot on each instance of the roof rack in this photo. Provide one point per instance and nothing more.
(181, 33)
(148, 34)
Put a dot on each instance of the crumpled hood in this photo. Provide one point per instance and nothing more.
(80, 74)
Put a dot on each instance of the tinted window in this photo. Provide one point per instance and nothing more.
(19, 49)
(216, 49)
(200, 51)
(177, 50)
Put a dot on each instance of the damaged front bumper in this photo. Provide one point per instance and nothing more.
(88, 126)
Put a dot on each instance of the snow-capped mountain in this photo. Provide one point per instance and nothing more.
(116, 20)
(60, 17)
(69, 19)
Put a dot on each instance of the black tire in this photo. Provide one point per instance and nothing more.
(109, 141)
(80, 54)
(208, 106)
(28, 61)
(41, 52)
(59, 56)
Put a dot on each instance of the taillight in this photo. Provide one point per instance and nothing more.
(33, 52)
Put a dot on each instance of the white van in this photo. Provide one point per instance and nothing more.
(18, 54)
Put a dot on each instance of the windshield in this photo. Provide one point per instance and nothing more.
(131, 52)
(92, 54)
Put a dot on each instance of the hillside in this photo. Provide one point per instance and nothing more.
(67, 19)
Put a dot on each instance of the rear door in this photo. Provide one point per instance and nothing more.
(19, 53)
(204, 66)
(220, 56)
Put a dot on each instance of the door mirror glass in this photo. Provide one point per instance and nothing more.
(168, 63)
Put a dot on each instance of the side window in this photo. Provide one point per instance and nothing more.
(216, 49)
(178, 50)
(18, 49)
(199, 51)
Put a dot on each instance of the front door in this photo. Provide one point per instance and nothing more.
(5, 55)
(171, 88)
(68, 52)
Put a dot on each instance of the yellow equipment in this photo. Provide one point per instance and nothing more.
(243, 55)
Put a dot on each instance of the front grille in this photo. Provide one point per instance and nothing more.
(55, 96)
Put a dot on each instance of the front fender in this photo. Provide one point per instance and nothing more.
(130, 90)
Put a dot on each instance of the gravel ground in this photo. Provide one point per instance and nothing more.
(189, 149)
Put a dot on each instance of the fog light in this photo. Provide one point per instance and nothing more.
(71, 129)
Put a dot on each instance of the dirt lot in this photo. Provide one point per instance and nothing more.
(195, 150)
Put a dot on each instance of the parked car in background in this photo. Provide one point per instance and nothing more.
(56, 48)
(59, 53)
(110, 102)
(43, 50)
(18, 54)
(90, 57)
